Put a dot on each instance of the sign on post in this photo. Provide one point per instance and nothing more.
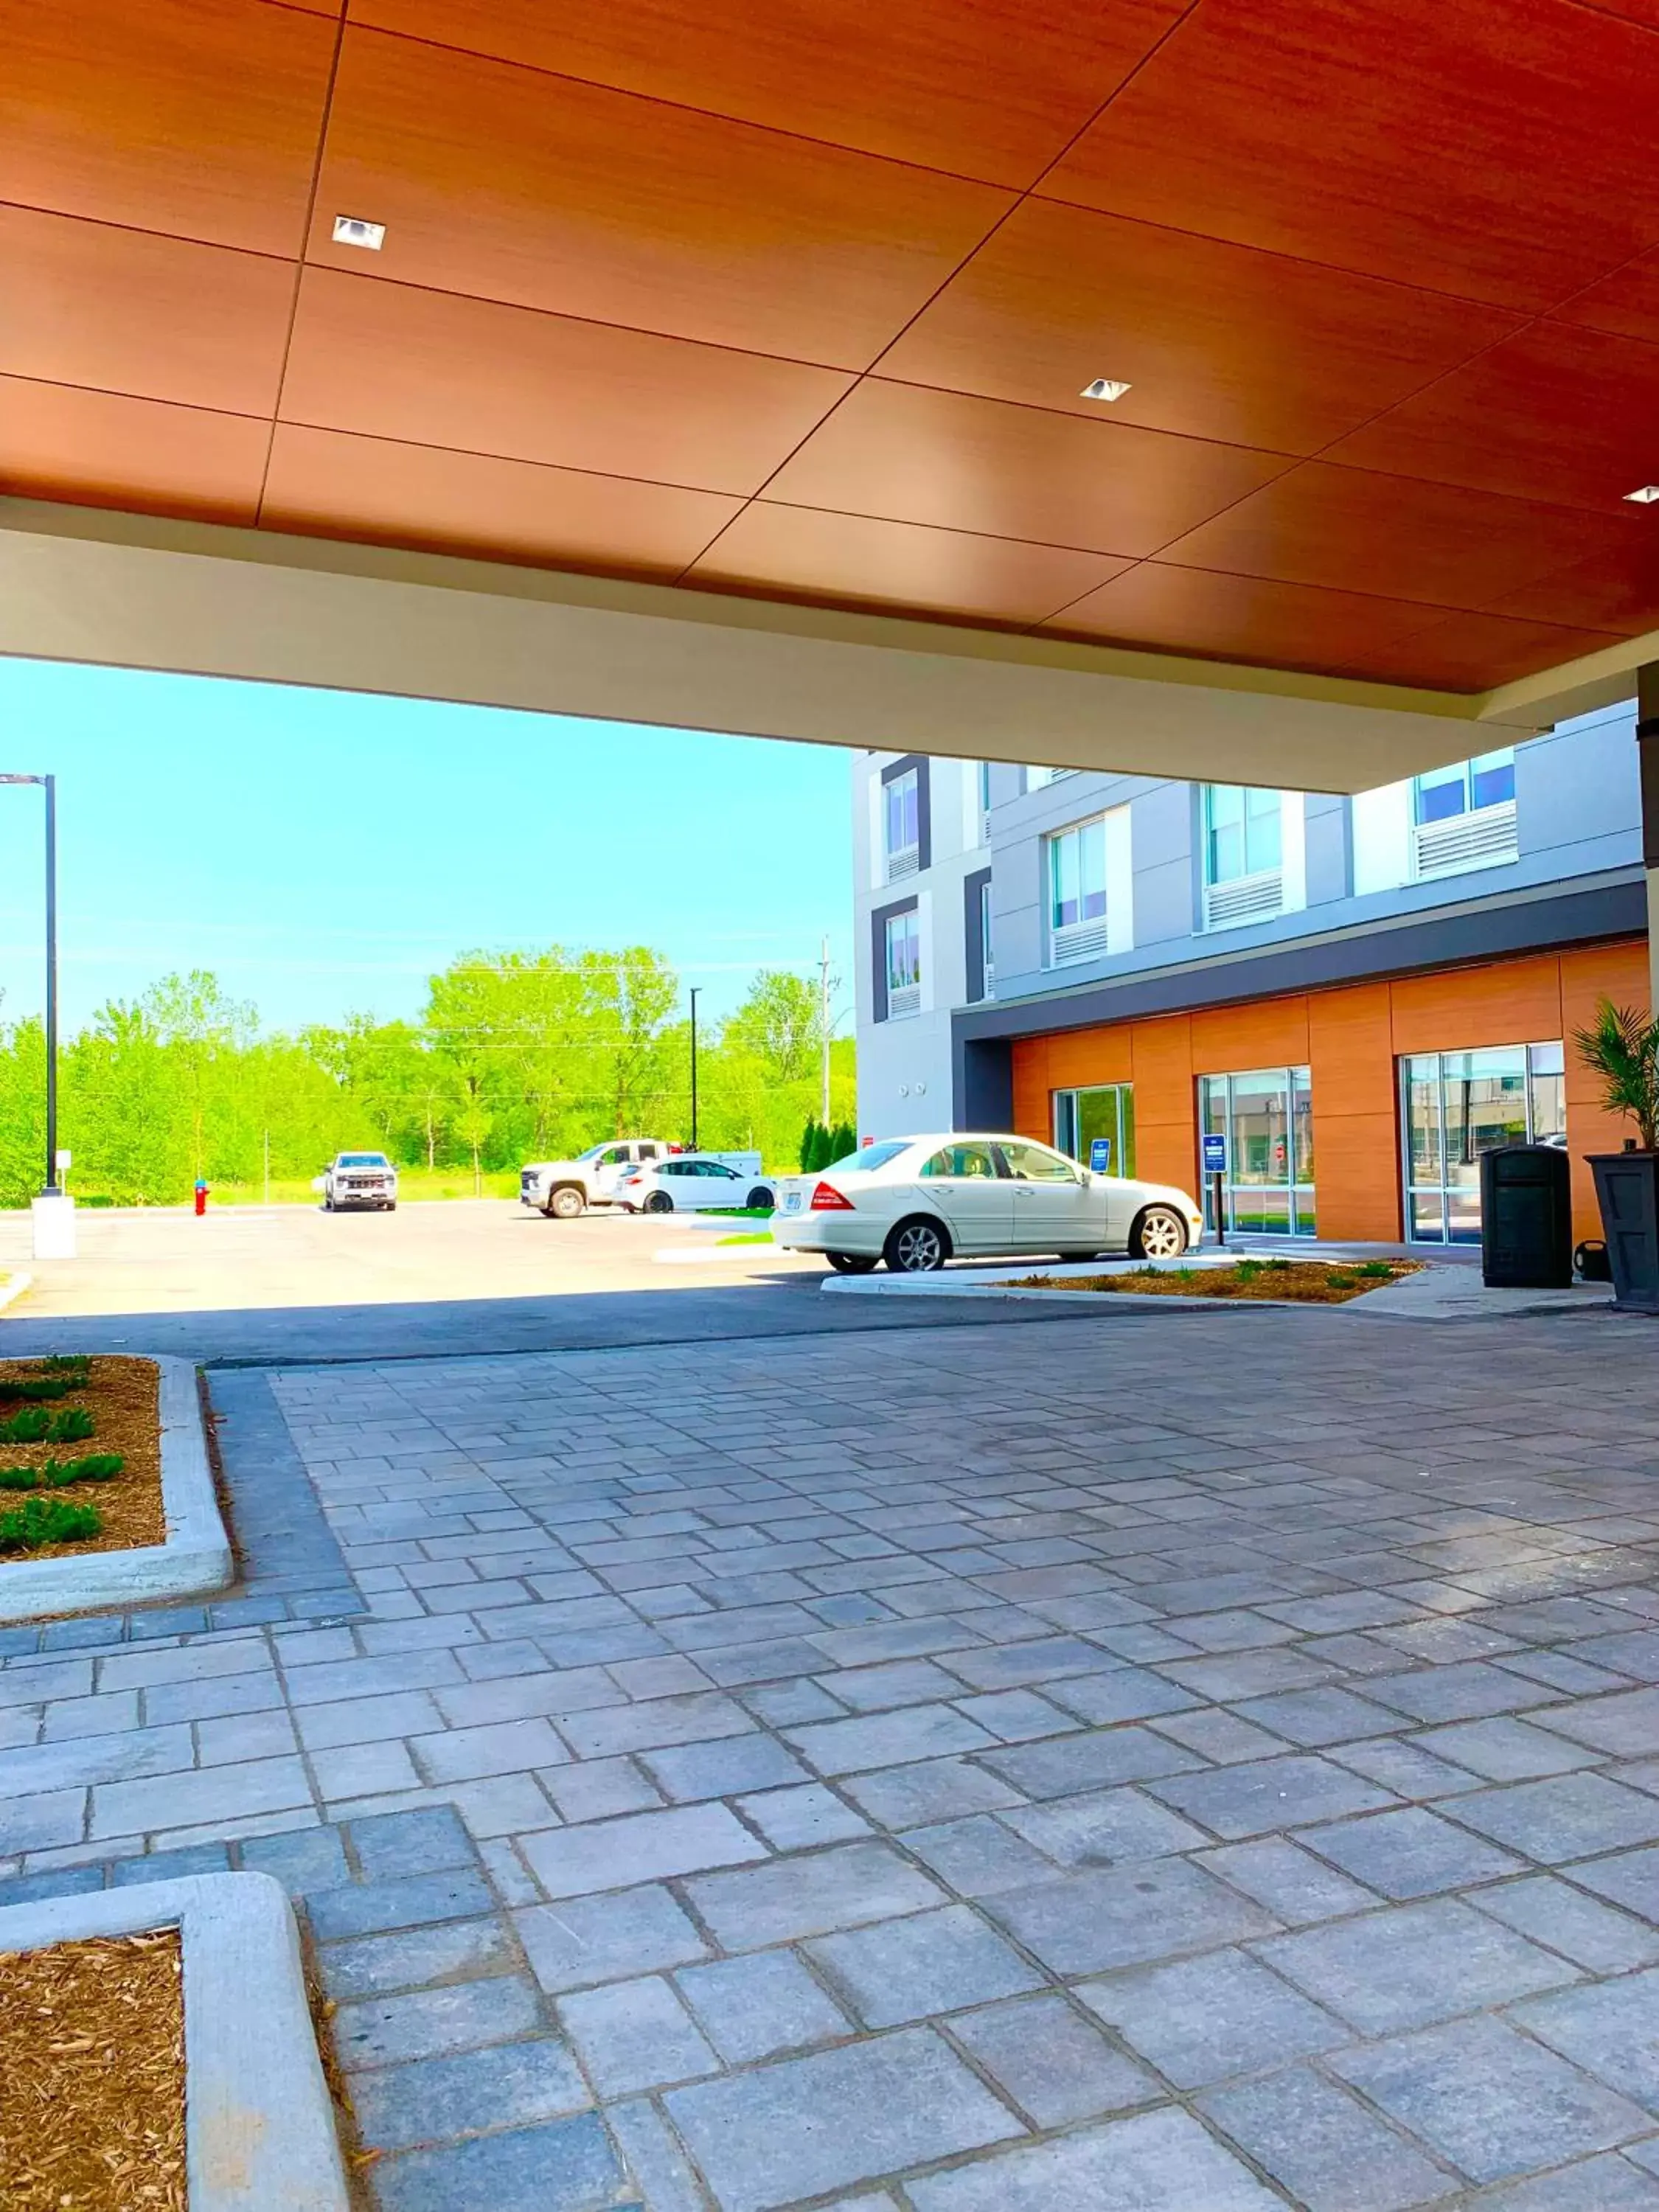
(1214, 1150)
(1100, 1155)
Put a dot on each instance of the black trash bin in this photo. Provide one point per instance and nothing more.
(1526, 1218)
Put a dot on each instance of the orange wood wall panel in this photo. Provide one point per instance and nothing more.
(1271, 1033)
(1097, 1055)
(1618, 972)
(1511, 1002)
(1032, 1087)
(103, 449)
(1351, 1045)
(1356, 1173)
(198, 117)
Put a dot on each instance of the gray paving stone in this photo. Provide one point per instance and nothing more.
(895, 1739)
(910, 1969)
(1507, 1750)
(1411, 1965)
(804, 2126)
(1611, 2030)
(308, 1859)
(594, 1788)
(724, 1768)
(1405, 1768)
(635, 2035)
(1627, 1725)
(1550, 1911)
(655, 2158)
(1323, 2147)
(794, 1820)
(1202, 2019)
(1015, 1665)
(587, 1939)
(466, 1755)
(1255, 1799)
(1216, 1734)
(639, 1847)
(367, 1908)
(423, 1842)
(812, 1895)
(376, 1965)
(1468, 1692)
(1295, 1886)
(1154, 2162)
(1103, 1827)
(1051, 2063)
(430, 2100)
(761, 2006)
(1084, 1924)
(1410, 1853)
(1488, 2099)
(428, 2023)
(895, 1682)
(653, 1725)
(978, 1855)
(1317, 1718)
(570, 2165)
(1569, 1816)
(1608, 2183)
(1631, 1879)
(938, 1789)
(1068, 1765)
(1017, 1715)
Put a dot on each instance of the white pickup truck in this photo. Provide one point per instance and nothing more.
(565, 1188)
(352, 1179)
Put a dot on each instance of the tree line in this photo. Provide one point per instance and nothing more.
(516, 1056)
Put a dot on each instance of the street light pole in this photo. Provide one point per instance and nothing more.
(695, 988)
(49, 783)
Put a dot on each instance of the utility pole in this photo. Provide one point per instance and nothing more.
(267, 1167)
(695, 988)
(823, 1027)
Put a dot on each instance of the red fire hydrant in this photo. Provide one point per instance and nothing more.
(201, 1197)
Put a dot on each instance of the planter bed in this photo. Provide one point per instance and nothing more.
(158, 1531)
(1276, 1282)
(158, 2052)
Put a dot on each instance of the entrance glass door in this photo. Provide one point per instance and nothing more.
(1267, 1115)
(1456, 1106)
(1106, 1110)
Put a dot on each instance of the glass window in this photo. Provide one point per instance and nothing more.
(872, 1155)
(983, 778)
(974, 1161)
(904, 953)
(1077, 874)
(1105, 1110)
(1241, 832)
(1267, 1116)
(987, 960)
(1457, 1106)
(1465, 786)
(1036, 1164)
(902, 800)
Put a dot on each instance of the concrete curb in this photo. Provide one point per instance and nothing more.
(258, 2125)
(195, 1556)
(13, 1289)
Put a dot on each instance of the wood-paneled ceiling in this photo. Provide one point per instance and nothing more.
(798, 301)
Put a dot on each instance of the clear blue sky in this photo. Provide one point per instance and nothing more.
(324, 853)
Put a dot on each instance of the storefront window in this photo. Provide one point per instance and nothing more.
(1107, 1110)
(1267, 1116)
(1457, 1106)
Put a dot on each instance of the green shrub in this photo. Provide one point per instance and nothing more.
(59, 1473)
(41, 1521)
(35, 1388)
(72, 1426)
(28, 1427)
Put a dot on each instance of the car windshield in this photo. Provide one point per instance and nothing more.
(363, 1160)
(594, 1150)
(872, 1155)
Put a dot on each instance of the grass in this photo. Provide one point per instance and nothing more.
(741, 1213)
(1298, 1282)
(759, 1236)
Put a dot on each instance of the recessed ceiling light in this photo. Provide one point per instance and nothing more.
(1645, 495)
(1106, 388)
(352, 230)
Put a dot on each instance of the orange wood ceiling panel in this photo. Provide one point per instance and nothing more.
(802, 552)
(1617, 591)
(509, 184)
(1460, 1009)
(333, 485)
(1556, 413)
(196, 117)
(981, 88)
(130, 311)
(1470, 653)
(1197, 610)
(1216, 341)
(1358, 531)
(979, 465)
(104, 449)
(394, 362)
(1501, 148)
(1626, 302)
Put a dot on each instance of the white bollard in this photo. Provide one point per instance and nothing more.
(54, 1227)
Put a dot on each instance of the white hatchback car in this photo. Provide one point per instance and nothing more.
(690, 1184)
(915, 1201)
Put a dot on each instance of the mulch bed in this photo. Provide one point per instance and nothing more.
(92, 2077)
(122, 1395)
(1300, 1282)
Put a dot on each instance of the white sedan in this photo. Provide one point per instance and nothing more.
(689, 1184)
(915, 1201)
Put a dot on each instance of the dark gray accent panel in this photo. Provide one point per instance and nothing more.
(879, 920)
(1497, 931)
(983, 1081)
(1647, 741)
(974, 888)
(891, 773)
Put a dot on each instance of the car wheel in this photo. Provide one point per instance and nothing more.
(392, 1205)
(851, 1263)
(1159, 1233)
(658, 1201)
(566, 1203)
(760, 1200)
(328, 1205)
(916, 1247)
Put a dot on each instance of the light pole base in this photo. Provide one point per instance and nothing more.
(54, 1226)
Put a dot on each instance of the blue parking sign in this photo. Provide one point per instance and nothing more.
(1214, 1153)
(1100, 1155)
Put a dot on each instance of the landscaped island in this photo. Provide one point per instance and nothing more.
(1301, 1282)
(80, 1456)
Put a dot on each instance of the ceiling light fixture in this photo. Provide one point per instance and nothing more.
(1107, 388)
(352, 230)
(1644, 496)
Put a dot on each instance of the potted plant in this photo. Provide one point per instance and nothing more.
(1622, 1047)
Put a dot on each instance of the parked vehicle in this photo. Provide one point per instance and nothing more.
(565, 1188)
(694, 1181)
(358, 1179)
(918, 1201)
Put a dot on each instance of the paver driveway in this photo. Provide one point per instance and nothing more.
(1177, 1763)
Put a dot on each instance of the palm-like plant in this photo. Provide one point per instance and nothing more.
(1621, 1046)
